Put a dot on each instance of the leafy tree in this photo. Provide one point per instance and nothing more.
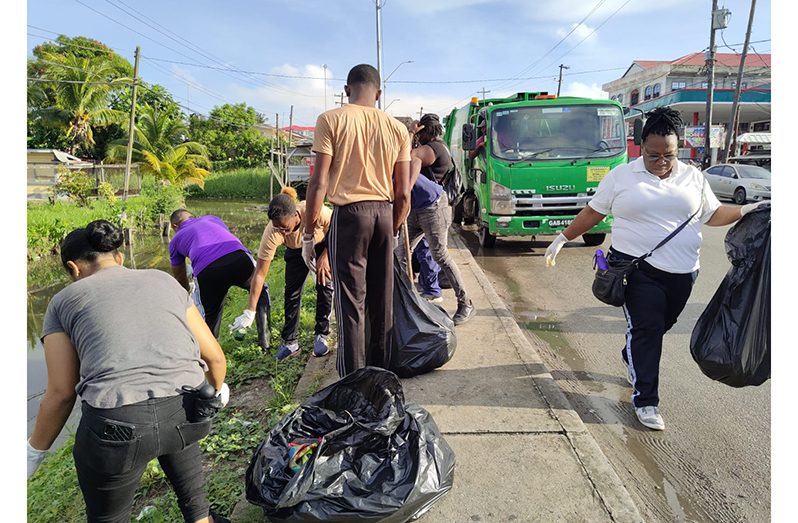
(230, 135)
(155, 96)
(158, 145)
(66, 115)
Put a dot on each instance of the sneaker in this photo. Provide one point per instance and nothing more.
(320, 347)
(649, 416)
(432, 298)
(287, 349)
(465, 311)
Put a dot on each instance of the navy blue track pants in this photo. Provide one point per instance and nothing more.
(654, 300)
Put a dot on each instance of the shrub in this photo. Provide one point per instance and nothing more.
(78, 186)
(237, 183)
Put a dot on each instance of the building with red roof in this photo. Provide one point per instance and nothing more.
(682, 85)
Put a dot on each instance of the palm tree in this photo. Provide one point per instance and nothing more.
(156, 145)
(81, 98)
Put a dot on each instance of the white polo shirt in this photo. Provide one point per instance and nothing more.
(646, 209)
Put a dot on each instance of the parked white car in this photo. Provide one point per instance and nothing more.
(741, 183)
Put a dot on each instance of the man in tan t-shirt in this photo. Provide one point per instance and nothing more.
(362, 165)
(286, 218)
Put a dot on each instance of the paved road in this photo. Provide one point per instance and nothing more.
(712, 463)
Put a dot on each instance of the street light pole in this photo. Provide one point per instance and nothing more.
(731, 131)
(379, 4)
(384, 82)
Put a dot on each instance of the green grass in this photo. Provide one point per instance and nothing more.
(261, 393)
(49, 223)
(236, 183)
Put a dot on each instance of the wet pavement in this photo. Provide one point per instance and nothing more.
(712, 463)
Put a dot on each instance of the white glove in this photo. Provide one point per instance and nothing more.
(244, 321)
(396, 241)
(309, 252)
(745, 209)
(554, 249)
(35, 458)
(224, 394)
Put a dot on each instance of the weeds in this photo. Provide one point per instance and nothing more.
(235, 183)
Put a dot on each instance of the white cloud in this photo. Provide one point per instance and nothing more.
(584, 90)
(580, 32)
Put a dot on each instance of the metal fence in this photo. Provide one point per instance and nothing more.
(42, 177)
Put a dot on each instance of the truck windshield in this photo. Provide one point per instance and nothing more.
(568, 131)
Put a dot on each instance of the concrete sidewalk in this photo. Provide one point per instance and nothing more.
(523, 454)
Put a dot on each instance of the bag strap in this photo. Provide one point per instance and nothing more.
(677, 230)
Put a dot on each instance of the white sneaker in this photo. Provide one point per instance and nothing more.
(649, 416)
(432, 299)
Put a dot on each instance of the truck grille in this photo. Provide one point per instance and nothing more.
(550, 203)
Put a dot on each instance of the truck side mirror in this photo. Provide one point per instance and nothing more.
(469, 137)
(638, 132)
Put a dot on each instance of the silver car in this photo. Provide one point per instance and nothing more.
(741, 183)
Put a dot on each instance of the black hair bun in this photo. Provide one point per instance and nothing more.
(103, 236)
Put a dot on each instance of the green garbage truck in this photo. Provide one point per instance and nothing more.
(532, 161)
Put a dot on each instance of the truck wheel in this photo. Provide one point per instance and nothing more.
(591, 240)
(740, 196)
(486, 239)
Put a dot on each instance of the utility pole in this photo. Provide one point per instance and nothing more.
(379, 4)
(341, 102)
(719, 20)
(484, 92)
(420, 112)
(132, 127)
(279, 155)
(559, 82)
(290, 125)
(732, 129)
(325, 86)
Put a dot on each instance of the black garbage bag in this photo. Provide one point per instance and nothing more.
(423, 336)
(731, 339)
(375, 458)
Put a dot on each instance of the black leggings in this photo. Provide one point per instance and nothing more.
(233, 269)
(109, 470)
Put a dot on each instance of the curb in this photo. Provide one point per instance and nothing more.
(605, 480)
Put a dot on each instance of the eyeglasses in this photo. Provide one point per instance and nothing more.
(654, 158)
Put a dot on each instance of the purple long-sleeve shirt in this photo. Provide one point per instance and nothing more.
(203, 240)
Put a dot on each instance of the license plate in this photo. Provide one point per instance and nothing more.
(560, 223)
(596, 174)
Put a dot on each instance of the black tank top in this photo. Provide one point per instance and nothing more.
(442, 164)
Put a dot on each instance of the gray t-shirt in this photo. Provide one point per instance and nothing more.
(131, 333)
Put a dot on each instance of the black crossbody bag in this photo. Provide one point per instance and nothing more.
(610, 286)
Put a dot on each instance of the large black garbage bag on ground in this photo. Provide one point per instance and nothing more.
(423, 336)
(731, 340)
(378, 459)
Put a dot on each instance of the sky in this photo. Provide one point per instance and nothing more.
(502, 46)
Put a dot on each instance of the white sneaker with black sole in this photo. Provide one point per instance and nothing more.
(650, 417)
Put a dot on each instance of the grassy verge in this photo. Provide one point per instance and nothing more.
(49, 223)
(235, 184)
(261, 393)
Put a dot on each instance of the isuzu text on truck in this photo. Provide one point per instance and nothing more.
(540, 164)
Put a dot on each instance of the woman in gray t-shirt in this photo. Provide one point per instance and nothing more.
(126, 341)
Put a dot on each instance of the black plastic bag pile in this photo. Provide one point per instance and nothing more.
(731, 339)
(423, 336)
(377, 459)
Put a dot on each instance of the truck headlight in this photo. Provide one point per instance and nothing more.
(501, 199)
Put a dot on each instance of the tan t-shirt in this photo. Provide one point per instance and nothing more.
(365, 143)
(272, 239)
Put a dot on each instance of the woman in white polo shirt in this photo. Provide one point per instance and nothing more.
(649, 198)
